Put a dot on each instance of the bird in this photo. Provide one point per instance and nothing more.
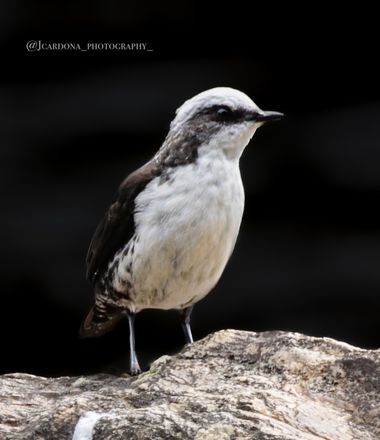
(166, 239)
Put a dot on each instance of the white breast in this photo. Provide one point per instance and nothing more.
(186, 228)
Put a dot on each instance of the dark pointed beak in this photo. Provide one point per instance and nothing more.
(269, 116)
(263, 116)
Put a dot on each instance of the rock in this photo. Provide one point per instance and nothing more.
(230, 385)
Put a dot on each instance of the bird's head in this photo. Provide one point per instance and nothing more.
(221, 119)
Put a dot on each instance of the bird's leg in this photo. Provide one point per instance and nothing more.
(185, 320)
(134, 366)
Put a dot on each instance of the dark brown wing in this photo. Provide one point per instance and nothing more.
(117, 226)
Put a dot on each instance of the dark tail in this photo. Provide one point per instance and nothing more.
(92, 328)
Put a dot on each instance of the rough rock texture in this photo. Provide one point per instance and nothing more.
(230, 385)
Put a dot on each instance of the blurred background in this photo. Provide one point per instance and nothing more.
(74, 123)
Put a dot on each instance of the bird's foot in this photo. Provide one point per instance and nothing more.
(134, 369)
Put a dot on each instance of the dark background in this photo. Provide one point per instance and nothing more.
(73, 124)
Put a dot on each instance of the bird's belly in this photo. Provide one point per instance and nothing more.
(181, 266)
(181, 270)
(184, 243)
(184, 238)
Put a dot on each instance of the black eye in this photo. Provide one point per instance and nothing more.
(223, 113)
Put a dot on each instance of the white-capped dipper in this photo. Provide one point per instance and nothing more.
(166, 239)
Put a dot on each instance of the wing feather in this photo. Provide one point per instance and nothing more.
(117, 226)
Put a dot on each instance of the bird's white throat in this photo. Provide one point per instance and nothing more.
(231, 141)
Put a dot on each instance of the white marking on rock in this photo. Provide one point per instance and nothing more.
(85, 426)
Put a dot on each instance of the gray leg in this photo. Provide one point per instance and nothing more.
(185, 318)
(134, 366)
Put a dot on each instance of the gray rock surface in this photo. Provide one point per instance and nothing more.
(230, 385)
